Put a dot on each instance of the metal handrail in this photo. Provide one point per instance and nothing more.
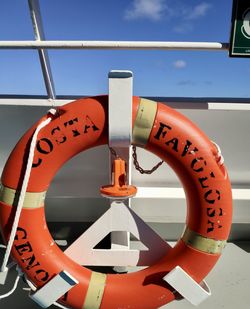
(134, 45)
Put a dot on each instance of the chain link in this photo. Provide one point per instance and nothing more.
(139, 168)
(136, 163)
(113, 152)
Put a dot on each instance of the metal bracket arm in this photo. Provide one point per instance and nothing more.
(186, 286)
(54, 289)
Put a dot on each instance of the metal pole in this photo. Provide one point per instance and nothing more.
(43, 54)
(114, 45)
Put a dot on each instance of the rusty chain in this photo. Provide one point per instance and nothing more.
(139, 168)
(136, 163)
(113, 152)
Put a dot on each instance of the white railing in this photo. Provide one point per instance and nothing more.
(151, 45)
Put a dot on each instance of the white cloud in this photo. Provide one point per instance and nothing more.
(187, 15)
(199, 10)
(150, 9)
(180, 64)
(183, 27)
(181, 13)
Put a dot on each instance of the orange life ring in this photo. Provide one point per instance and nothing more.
(161, 130)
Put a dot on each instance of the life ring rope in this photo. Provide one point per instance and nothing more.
(220, 157)
(24, 198)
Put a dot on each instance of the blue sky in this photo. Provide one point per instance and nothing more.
(156, 73)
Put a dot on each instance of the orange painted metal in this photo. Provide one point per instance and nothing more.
(119, 189)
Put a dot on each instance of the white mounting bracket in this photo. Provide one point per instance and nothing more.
(54, 289)
(186, 286)
(120, 135)
(112, 221)
(120, 108)
(119, 220)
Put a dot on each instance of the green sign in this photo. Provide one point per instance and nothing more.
(240, 32)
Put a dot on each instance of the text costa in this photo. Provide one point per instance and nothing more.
(61, 134)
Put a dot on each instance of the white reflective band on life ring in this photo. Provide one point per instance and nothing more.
(202, 243)
(95, 291)
(144, 122)
(31, 200)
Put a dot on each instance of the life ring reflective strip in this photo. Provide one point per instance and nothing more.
(161, 130)
(31, 200)
(144, 121)
(201, 243)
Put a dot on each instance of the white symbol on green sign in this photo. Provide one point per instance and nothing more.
(245, 29)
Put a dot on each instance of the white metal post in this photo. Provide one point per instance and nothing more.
(120, 132)
(43, 53)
